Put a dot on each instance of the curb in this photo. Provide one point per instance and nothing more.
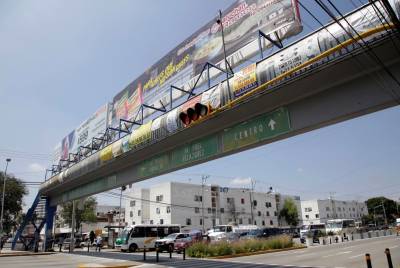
(18, 254)
(251, 253)
(124, 264)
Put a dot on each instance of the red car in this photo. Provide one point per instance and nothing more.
(186, 242)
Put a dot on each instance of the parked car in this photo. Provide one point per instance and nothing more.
(67, 243)
(182, 243)
(167, 243)
(312, 229)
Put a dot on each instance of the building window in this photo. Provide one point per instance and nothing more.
(161, 221)
(159, 198)
(263, 223)
(242, 201)
(316, 216)
(259, 213)
(198, 198)
(254, 203)
(168, 209)
(158, 210)
(327, 215)
(151, 221)
(131, 214)
(132, 203)
(240, 221)
(267, 213)
(209, 210)
(255, 222)
(188, 221)
(139, 212)
(222, 210)
(201, 221)
(196, 210)
(249, 221)
(339, 209)
(271, 222)
(230, 220)
(275, 213)
(309, 209)
(307, 217)
(230, 200)
(133, 223)
(268, 204)
(327, 208)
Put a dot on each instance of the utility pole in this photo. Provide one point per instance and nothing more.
(8, 160)
(123, 188)
(253, 184)
(331, 195)
(203, 181)
(384, 213)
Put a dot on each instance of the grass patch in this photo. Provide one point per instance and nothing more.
(223, 248)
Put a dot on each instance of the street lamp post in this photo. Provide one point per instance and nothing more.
(8, 160)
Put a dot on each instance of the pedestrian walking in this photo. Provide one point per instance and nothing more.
(60, 243)
(99, 243)
(92, 236)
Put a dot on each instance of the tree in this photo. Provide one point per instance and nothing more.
(375, 208)
(13, 201)
(289, 212)
(87, 214)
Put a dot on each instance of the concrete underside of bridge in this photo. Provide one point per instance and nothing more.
(333, 92)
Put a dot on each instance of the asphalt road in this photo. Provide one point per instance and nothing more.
(348, 255)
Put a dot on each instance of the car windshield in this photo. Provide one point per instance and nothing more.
(255, 232)
(171, 236)
(219, 229)
(334, 225)
(123, 233)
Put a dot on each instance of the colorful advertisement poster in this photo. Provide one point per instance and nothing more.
(241, 23)
(95, 126)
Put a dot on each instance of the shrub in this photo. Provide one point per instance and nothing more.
(223, 248)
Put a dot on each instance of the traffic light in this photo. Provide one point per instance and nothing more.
(193, 113)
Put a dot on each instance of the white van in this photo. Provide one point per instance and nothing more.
(341, 226)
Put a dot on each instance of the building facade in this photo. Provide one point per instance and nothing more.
(320, 211)
(182, 203)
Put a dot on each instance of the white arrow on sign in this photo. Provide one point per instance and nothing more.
(272, 124)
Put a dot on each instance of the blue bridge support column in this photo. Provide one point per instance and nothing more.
(50, 213)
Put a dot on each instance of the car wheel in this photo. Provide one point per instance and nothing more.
(133, 248)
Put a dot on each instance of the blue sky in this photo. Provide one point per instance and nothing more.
(61, 60)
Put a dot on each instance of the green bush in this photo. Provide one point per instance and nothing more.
(223, 248)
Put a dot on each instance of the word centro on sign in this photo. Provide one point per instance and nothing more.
(249, 132)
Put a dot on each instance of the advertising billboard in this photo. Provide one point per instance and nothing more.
(180, 67)
(82, 135)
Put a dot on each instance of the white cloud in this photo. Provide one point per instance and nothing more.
(299, 170)
(35, 167)
(241, 181)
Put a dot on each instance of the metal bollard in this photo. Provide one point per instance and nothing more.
(170, 253)
(389, 258)
(184, 253)
(88, 245)
(157, 253)
(368, 260)
(144, 253)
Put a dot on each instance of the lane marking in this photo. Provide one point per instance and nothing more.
(356, 256)
(394, 246)
(337, 254)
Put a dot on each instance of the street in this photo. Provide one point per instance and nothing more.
(348, 255)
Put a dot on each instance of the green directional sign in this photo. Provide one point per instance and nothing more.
(195, 151)
(255, 130)
(154, 165)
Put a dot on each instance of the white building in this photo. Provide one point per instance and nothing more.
(181, 203)
(319, 211)
(280, 202)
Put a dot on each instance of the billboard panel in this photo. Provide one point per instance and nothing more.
(82, 135)
(241, 22)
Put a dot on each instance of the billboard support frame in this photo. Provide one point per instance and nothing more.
(181, 90)
(207, 65)
(277, 42)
